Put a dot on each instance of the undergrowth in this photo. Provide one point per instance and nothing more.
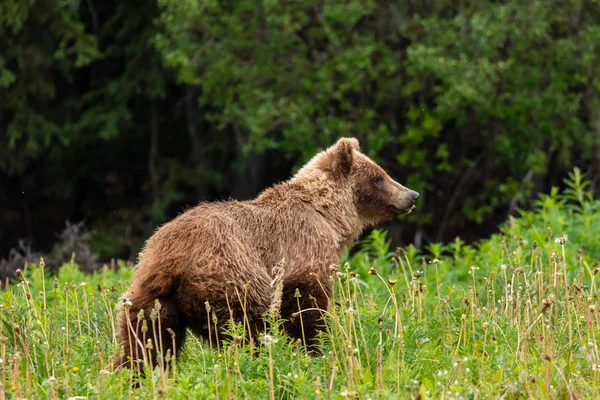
(515, 317)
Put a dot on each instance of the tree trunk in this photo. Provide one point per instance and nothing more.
(153, 154)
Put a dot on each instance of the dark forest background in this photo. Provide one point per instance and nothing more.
(122, 114)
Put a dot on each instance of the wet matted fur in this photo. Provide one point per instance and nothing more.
(223, 253)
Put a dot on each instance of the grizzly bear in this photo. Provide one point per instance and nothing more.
(215, 262)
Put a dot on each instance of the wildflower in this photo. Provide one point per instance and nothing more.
(354, 280)
(592, 307)
(435, 261)
(503, 267)
(268, 339)
(52, 380)
(350, 310)
(237, 338)
(372, 271)
(561, 240)
(127, 303)
(75, 369)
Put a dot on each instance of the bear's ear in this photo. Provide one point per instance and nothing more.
(344, 155)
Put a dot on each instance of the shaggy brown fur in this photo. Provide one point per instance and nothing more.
(223, 252)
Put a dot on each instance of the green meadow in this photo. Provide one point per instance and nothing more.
(515, 316)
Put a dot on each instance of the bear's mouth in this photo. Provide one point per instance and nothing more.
(403, 211)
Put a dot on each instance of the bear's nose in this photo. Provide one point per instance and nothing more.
(415, 196)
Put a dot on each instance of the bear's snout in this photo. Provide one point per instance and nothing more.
(408, 200)
(404, 198)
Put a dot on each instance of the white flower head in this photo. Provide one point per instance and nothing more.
(561, 240)
(269, 339)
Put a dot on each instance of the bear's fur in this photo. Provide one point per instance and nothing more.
(219, 256)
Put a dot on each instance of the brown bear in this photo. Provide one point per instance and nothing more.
(215, 261)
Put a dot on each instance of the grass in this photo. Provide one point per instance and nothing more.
(515, 317)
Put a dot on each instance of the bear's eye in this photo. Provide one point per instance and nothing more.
(379, 179)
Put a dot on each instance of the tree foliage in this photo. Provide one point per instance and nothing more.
(152, 106)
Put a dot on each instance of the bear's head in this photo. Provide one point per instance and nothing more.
(376, 196)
